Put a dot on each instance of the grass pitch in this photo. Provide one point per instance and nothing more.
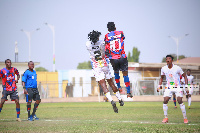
(100, 117)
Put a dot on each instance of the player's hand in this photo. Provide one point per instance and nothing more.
(159, 87)
(16, 81)
(25, 91)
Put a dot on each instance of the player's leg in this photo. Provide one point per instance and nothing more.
(124, 69)
(14, 97)
(115, 65)
(108, 77)
(189, 101)
(116, 91)
(174, 99)
(17, 109)
(107, 93)
(1, 104)
(127, 83)
(179, 95)
(165, 109)
(29, 101)
(3, 99)
(186, 95)
(189, 96)
(29, 109)
(182, 106)
(167, 96)
(38, 100)
(117, 80)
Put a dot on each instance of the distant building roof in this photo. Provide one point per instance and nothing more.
(190, 60)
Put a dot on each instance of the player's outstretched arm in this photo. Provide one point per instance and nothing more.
(18, 77)
(25, 91)
(160, 83)
(186, 82)
(24, 79)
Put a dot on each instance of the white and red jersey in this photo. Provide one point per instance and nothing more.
(172, 75)
(190, 80)
(97, 53)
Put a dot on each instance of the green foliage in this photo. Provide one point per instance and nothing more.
(135, 55)
(41, 69)
(175, 57)
(84, 65)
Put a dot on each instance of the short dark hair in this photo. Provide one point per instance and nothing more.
(170, 56)
(30, 62)
(94, 36)
(188, 70)
(7, 60)
(111, 26)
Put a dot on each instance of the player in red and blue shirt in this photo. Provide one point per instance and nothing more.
(114, 50)
(9, 85)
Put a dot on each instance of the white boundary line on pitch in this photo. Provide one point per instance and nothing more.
(144, 122)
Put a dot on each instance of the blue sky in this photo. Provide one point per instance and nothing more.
(146, 25)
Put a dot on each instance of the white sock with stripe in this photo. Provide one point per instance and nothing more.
(182, 106)
(117, 94)
(189, 101)
(109, 96)
(165, 108)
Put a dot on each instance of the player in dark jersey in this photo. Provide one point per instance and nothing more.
(114, 50)
(29, 82)
(9, 86)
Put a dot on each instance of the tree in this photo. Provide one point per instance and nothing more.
(135, 55)
(41, 69)
(175, 57)
(84, 65)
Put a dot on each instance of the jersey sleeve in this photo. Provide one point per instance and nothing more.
(122, 35)
(106, 39)
(16, 71)
(89, 47)
(192, 80)
(183, 80)
(162, 71)
(180, 71)
(1, 73)
(107, 47)
(24, 77)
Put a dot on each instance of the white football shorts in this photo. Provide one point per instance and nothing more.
(102, 73)
(169, 92)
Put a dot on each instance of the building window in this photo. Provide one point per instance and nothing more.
(73, 81)
(81, 81)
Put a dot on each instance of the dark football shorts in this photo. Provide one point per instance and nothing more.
(33, 94)
(119, 64)
(13, 95)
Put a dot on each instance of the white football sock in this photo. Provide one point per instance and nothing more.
(117, 94)
(165, 108)
(182, 106)
(189, 101)
(109, 96)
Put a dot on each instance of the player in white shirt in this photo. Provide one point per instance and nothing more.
(100, 67)
(172, 73)
(190, 87)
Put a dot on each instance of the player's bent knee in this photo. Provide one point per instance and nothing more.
(165, 102)
(180, 101)
(17, 102)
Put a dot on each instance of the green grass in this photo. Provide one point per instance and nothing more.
(99, 117)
